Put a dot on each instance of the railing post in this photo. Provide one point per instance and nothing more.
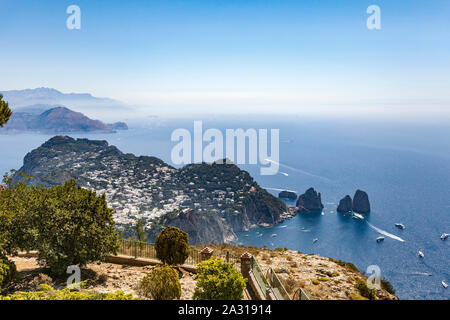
(246, 264)
(228, 256)
(206, 254)
(268, 292)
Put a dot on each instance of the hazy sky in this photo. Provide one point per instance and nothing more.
(268, 55)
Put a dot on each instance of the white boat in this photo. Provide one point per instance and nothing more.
(444, 284)
(379, 239)
(421, 254)
(400, 226)
(315, 240)
(274, 235)
(444, 236)
(358, 216)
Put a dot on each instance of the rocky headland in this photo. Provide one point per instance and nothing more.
(211, 202)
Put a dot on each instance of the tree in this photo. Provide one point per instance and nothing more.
(218, 280)
(172, 246)
(19, 204)
(140, 231)
(67, 225)
(162, 283)
(5, 111)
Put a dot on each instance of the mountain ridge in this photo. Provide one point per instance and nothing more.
(58, 119)
(210, 201)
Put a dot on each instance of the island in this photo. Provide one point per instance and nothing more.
(211, 202)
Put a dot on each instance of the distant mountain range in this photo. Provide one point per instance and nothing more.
(45, 110)
(47, 96)
(56, 120)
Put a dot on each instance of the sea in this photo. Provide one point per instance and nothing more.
(404, 166)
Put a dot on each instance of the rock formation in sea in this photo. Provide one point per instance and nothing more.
(287, 195)
(345, 205)
(310, 201)
(361, 202)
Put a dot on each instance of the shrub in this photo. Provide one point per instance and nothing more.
(162, 283)
(48, 293)
(356, 296)
(39, 280)
(348, 265)
(7, 270)
(218, 280)
(364, 290)
(172, 246)
(315, 281)
(386, 285)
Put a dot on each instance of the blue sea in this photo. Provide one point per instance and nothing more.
(403, 166)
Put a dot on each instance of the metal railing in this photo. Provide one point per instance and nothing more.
(138, 249)
(270, 284)
(300, 295)
(227, 257)
(278, 288)
(259, 276)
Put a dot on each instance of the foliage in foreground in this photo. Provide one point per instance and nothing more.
(218, 280)
(162, 283)
(172, 246)
(364, 290)
(7, 270)
(67, 225)
(48, 293)
(5, 111)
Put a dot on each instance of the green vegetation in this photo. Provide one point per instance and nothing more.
(347, 265)
(162, 283)
(364, 290)
(386, 285)
(5, 111)
(172, 246)
(7, 270)
(67, 225)
(356, 296)
(218, 280)
(48, 293)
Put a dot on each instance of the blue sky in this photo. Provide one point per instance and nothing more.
(288, 56)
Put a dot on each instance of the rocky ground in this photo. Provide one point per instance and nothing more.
(100, 277)
(320, 277)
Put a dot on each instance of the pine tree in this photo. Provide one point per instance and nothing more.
(5, 111)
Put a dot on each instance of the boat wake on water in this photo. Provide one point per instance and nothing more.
(385, 233)
(421, 274)
(299, 171)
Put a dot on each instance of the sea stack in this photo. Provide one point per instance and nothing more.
(361, 202)
(285, 194)
(310, 201)
(345, 205)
